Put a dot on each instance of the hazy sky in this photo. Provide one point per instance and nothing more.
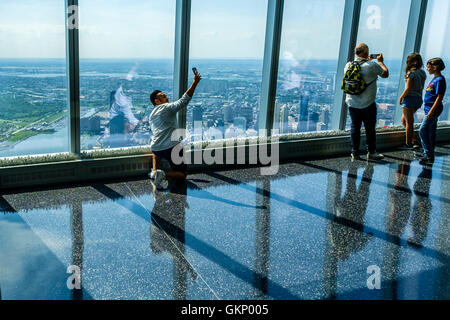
(219, 28)
(387, 33)
(32, 28)
(436, 40)
(312, 29)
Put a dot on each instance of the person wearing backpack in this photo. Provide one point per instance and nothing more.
(360, 86)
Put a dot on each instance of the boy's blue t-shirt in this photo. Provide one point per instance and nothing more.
(437, 86)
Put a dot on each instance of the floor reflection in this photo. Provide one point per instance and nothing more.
(345, 228)
(76, 226)
(167, 234)
(397, 215)
(262, 240)
(422, 207)
(394, 215)
(442, 245)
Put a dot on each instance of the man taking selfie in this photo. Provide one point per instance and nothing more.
(163, 123)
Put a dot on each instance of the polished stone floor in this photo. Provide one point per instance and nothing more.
(323, 229)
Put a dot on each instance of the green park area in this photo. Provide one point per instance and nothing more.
(19, 113)
(22, 135)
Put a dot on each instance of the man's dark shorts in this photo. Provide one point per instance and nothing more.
(167, 154)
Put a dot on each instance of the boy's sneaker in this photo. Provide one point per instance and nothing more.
(407, 147)
(152, 174)
(374, 156)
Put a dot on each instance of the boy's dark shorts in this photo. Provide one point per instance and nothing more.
(167, 154)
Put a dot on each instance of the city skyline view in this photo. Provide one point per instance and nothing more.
(226, 103)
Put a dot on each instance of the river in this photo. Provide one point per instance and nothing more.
(40, 144)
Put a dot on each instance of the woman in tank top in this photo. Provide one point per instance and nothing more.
(411, 98)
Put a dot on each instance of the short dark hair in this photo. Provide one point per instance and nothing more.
(360, 48)
(153, 96)
(437, 62)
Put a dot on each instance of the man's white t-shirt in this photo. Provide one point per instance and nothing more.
(370, 70)
(163, 122)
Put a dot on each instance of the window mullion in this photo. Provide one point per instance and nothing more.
(270, 64)
(349, 36)
(181, 63)
(73, 74)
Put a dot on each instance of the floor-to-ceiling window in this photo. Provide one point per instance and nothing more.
(227, 48)
(309, 56)
(127, 49)
(33, 81)
(436, 42)
(126, 52)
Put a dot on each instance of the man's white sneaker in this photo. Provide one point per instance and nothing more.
(374, 156)
(152, 174)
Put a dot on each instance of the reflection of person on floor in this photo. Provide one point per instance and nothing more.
(347, 234)
(76, 226)
(400, 199)
(122, 121)
(398, 212)
(167, 234)
(422, 207)
(344, 232)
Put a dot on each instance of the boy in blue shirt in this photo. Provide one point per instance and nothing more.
(434, 96)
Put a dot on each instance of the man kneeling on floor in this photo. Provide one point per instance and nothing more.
(163, 122)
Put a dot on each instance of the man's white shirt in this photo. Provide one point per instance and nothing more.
(163, 122)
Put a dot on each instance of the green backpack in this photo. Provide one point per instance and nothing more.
(353, 83)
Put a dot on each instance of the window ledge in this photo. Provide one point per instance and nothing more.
(196, 146)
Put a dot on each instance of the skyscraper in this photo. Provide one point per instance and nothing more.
(227, 114)
(302, 125)
(276, 117)
(197, 122)
(313, 119)
(197, 114)
(325, 118)
(247, 113)
(240, 122)
(284, 119)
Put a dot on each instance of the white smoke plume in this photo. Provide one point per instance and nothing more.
(292, 79)
(132, 72)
